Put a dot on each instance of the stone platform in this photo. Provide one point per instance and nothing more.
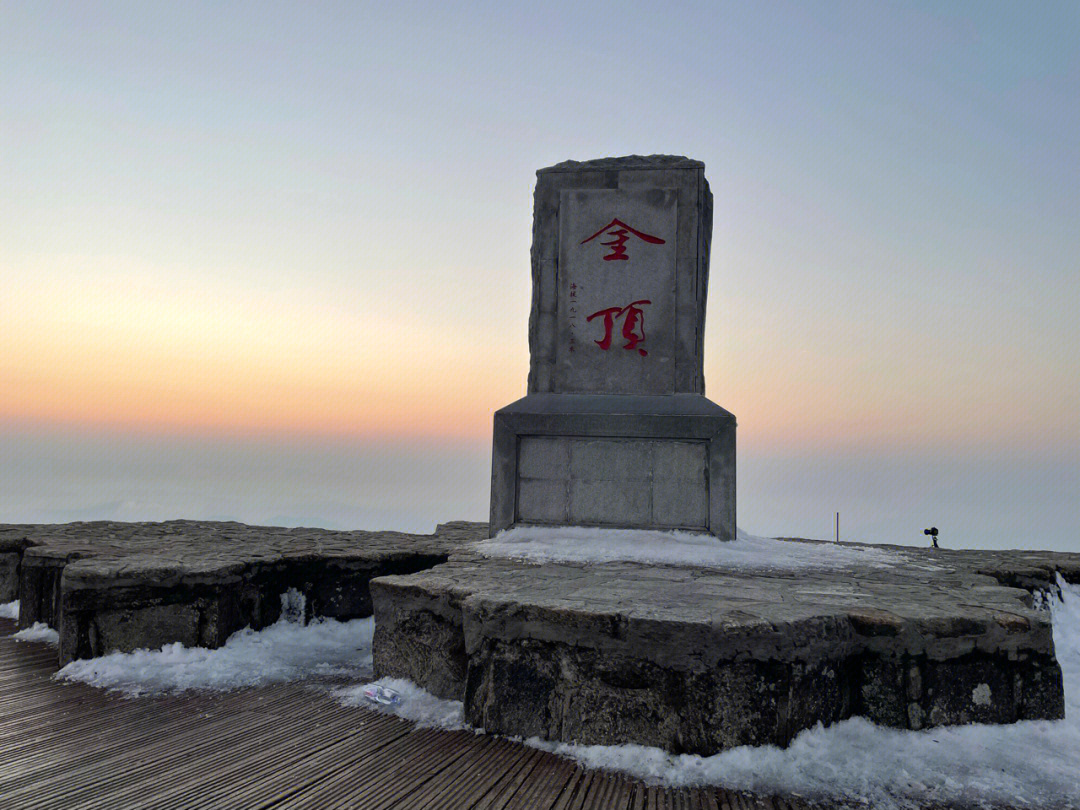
(687, 658)
(122, 586)
(698, 660)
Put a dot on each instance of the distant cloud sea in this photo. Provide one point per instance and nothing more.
(976, 501)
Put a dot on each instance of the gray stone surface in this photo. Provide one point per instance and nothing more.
(699, 660)
(665, 462)
(616, 482)
(120, 586)
(620, 260)
(663, 196)
(596, 350)
(12, 546)
(9, 575)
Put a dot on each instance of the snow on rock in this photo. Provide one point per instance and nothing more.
(422, 707)
(10, 610)
(38, 632)
(1033, 764)
(540, 544)
(285, 651)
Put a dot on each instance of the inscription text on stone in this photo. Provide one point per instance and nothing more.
(616, 276)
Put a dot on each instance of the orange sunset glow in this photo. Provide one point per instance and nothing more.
(294, 248)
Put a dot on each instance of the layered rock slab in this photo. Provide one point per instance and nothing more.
(699, 660)
(109, 586)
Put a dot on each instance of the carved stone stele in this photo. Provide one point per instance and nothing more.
(615, 430)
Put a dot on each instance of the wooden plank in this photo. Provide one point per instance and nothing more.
(230, 767)
(354, 773)
(68, 746)
(16, 651)
(656, 798)
(550, 779)
(592, 785)
(428, 786)
(64, 785)
(445, 786)
(28, 675)
(28, 661)
(508, 783)
(51, 696)
(119, 710)
(498, 755)
(25, 712)
(27, 672)
(67, 715)
(606, 791)
(106, 744)
(361, 777)
(576, 784)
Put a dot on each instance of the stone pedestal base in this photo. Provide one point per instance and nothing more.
(642, 462)
(694, 659)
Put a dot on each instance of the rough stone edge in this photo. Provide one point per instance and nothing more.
(205, 611)
(10, 564)
(424, 644)
(912, 690)
(625, 162)
(149, 602)
(554, 691)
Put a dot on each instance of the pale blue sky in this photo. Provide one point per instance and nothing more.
(895, 269)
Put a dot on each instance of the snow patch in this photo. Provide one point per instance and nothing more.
(285, 651)
(541, 544)
(422, 707)
(10, 610)
(38, 632)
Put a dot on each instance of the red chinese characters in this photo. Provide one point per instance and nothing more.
(633, 326)
(620, 233)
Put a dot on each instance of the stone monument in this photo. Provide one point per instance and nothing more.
(615, 430)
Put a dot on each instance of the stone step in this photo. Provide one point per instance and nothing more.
(699, 660)
(109, 586)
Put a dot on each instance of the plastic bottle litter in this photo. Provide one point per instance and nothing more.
(382, 695)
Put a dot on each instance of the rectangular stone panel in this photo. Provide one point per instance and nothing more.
(610, 503)
(679, 461)
(674, 455)
(616, 326)
(611, 460)
(612, 482)
(540, 501)
(681, 504)
(545, 457)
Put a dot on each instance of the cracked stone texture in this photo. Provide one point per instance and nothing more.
(122, 586)
(699, 660)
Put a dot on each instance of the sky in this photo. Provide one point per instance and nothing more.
(271, 261)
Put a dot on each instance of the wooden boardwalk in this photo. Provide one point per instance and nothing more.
(69, 746)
